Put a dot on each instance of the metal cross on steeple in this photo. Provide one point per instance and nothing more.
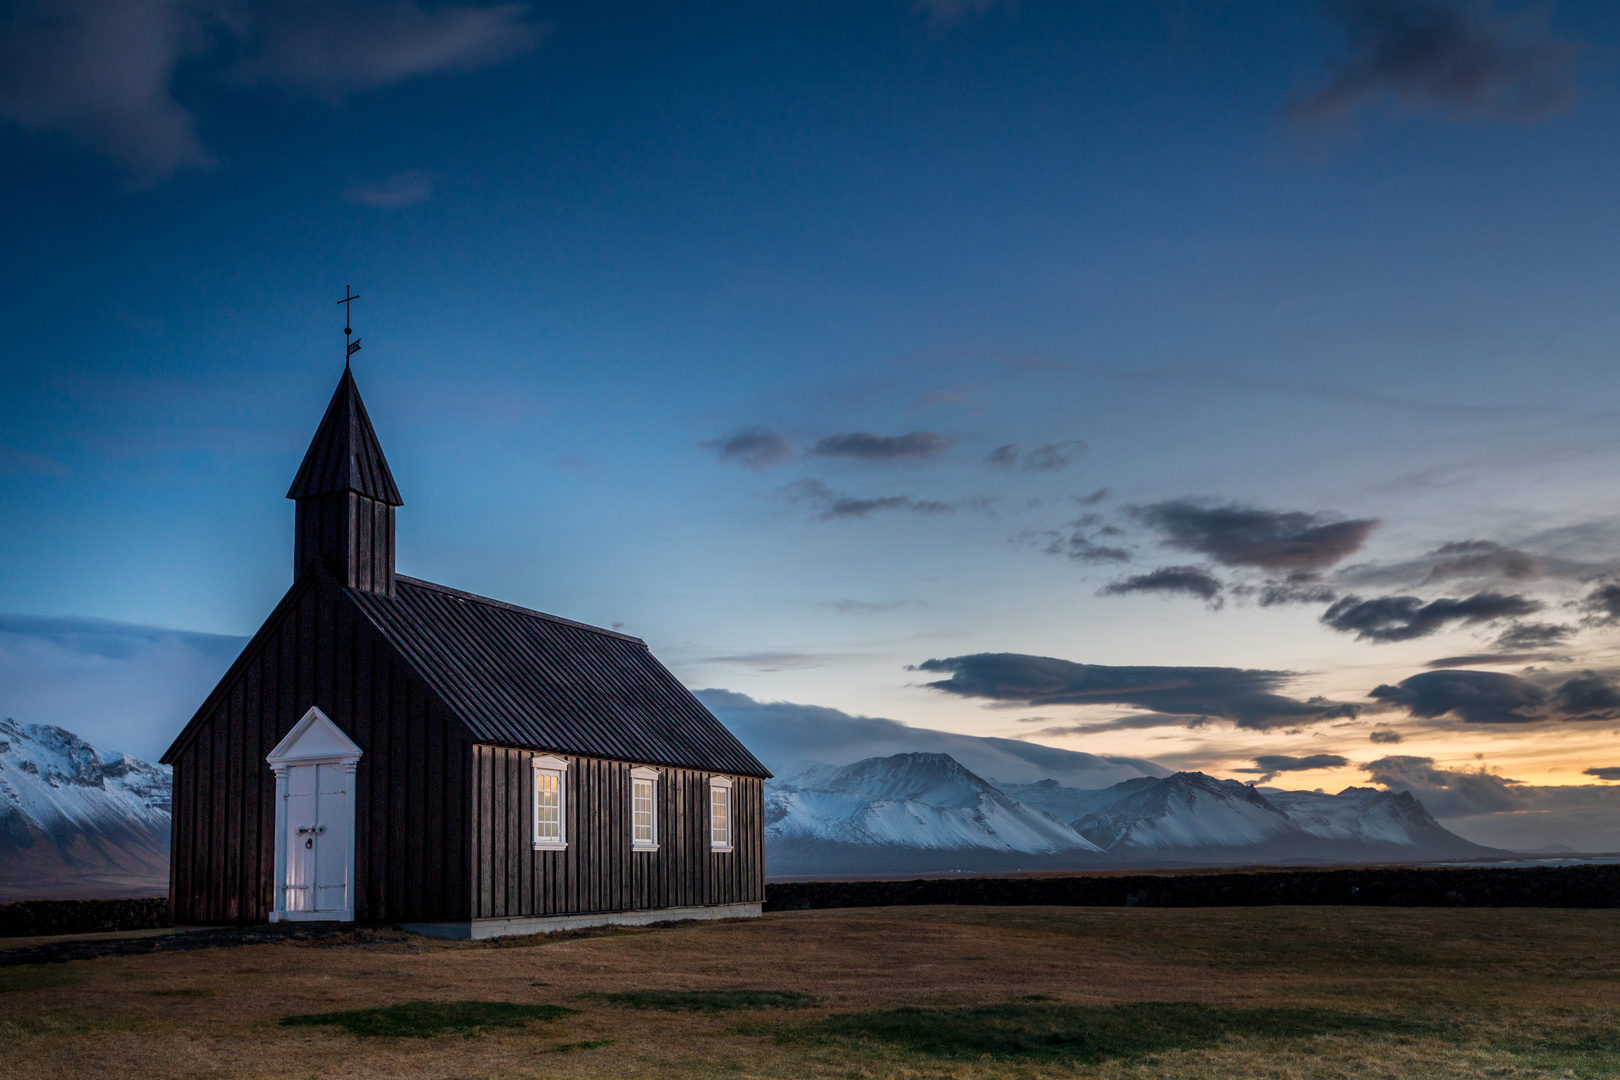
(350, 347)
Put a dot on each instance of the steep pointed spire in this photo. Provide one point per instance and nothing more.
(346, 498)
(345, 454)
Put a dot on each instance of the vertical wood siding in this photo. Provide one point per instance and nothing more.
(351, 534)
(598, 871)
(411, 785)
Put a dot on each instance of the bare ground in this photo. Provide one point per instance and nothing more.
(1501, 992)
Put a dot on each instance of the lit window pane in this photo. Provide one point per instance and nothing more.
(719, 819)
(641, 812)
(548, 806)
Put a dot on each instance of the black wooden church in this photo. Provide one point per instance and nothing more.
(390, 750)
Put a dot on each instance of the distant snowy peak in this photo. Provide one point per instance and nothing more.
(1185, 810)
(924, 801)
(59, 783)
(1362, 815)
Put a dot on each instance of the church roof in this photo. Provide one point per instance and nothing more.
(345, 454)
(523, 678)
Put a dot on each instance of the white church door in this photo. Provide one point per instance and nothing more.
(320, 822)
(314, 766)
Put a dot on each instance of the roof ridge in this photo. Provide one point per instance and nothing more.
(517, 608)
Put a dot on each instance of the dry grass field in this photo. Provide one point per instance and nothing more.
(892, 992)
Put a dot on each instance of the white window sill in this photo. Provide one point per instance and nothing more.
(721, 847)
(550, 845)
(643, 847)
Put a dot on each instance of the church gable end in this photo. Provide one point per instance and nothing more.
(411, 791)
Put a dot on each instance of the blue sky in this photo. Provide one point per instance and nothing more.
(816, 341)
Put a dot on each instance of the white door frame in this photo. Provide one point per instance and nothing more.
(314, 740)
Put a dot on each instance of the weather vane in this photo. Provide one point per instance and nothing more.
(350, 347)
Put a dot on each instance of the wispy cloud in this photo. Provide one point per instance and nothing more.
(1247, 698)
(950, 12)
(1170, 581)
(119, 685)
(755, 447)
(1048, 457)
(1446, 57)
(1402, 618)
(102, 71)
(15, 463)
(336, 49)
(1277, 541)
(396, 192)
(833, 505)
(866, 447)
(1269, 765)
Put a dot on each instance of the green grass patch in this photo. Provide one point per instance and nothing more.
(1081, 1034)
(423, 1019)
(707, 1000)
(36, 977)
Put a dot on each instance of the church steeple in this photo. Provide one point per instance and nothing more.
(346, 497)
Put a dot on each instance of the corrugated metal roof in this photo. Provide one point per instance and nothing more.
(345, 454)
(523, 678)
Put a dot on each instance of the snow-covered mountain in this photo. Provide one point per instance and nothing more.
(909, 800)
(916, 812)
(76, 821)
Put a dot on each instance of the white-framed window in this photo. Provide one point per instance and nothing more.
(643, 809)
(550, 803)
(719, 813)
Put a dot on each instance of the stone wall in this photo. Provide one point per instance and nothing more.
(31, 918)
(1564, 886)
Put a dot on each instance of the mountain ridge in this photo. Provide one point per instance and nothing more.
(77, 822)
(816, 821)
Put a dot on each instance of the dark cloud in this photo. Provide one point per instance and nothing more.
(1275, 541)
(1095, 497)
(1079, 547)
(1051, 457)
(1272, 764)
(1402, 618)
(1130, 722)
(1003, 457)
(1473, 659)
(865, 446)
(1482, 558)
(1170, 581)
(1444, 56)
(1606, 772)
(1384, 736)
(101, 71)
(1587, 696)
(1533, 635)
(1244, 697)
(1602, 604)
(1477, 697)
(1448, 792)
(1294, 589)
(1491, 697)
(783, 734)
(754, 447)
(832, 505)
